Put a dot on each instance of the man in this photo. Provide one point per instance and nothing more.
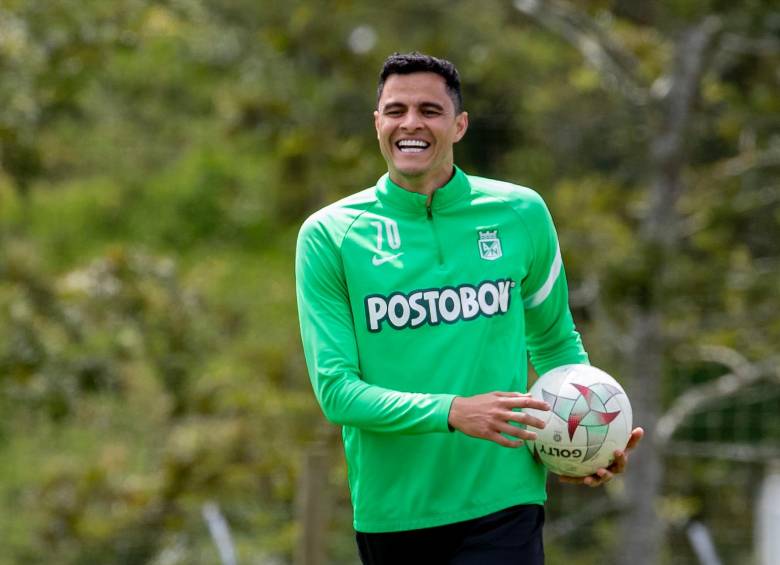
(419, 300)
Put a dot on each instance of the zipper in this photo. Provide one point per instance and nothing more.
(437, 243)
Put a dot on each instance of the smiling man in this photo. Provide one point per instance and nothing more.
(420, 300)
(418, 120)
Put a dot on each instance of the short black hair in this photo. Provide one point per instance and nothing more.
(416, 62)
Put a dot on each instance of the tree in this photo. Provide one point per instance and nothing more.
(666, 108)
(158, 157)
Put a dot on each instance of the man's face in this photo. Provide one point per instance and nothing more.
(417, 126)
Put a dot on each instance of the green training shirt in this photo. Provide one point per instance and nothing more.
(403, 307)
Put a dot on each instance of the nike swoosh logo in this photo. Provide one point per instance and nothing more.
(379, 260)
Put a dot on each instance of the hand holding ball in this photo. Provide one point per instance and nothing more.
(590, 418)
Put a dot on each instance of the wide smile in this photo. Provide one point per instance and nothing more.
(412, 145)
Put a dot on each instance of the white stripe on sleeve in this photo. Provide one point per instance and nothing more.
(541, 295)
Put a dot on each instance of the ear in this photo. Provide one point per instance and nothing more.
(376, 122)
(461, 125)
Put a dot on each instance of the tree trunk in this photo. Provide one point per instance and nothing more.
(313, 506)
(642, 534)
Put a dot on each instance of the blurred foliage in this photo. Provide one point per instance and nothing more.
(156, 159)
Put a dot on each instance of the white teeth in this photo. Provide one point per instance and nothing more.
(412, 145)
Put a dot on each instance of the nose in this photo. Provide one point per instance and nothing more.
(411, 120)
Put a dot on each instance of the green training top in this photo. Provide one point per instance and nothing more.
(403, 307)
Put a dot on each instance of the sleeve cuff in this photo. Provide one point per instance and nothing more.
(447, 406)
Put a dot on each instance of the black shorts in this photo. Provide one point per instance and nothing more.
(508, 537)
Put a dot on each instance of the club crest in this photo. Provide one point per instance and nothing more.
(489, 245)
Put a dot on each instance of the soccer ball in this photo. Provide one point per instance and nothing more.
(590, 417)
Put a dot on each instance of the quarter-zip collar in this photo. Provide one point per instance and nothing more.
(401, 199)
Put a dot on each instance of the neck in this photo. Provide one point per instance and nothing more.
(424, 184)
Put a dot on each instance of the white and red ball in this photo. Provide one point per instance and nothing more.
(590, 417)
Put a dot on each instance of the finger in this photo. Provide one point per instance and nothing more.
(619, 463)
(525, 401)
(511, 430)
(527, 419)
(591, 481)
(635, 438)
(508, 394)
(501, 440)
(571, 480)
(599, 478)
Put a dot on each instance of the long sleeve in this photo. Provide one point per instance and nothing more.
(551, 337)
(330, 348)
